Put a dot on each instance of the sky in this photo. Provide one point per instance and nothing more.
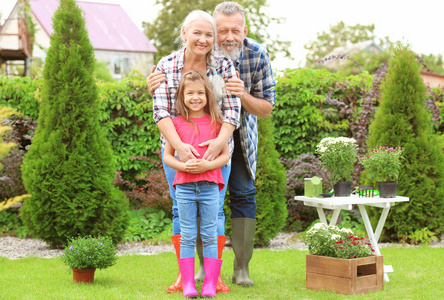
(413, 22)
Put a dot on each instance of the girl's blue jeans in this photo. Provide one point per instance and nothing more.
(190, 197)
(171, 173)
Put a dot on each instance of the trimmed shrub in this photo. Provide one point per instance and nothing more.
(271, 210)
(403, 119)
(69, 168)
(314, 104)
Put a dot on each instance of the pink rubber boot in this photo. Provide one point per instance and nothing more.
(186, 267)
(212, 271)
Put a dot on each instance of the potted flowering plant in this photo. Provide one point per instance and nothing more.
(382, 166)
(341, 261)
(86, 254)
(329, 240)
(338, 155)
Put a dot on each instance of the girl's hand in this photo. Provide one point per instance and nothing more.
(197, 166)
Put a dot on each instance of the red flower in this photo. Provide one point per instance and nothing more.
(351, 256)
(373, 250)
(354, 243)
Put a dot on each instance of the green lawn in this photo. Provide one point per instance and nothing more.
(419, 273)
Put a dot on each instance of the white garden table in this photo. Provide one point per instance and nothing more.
(338, 203)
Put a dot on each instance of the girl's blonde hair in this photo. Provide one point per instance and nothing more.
(210, 109)
(217, 81)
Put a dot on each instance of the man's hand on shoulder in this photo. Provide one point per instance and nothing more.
(154, 79)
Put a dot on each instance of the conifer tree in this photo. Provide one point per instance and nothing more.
(271, 178)
(69, 168)
(402, 119)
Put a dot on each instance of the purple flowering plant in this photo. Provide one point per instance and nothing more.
(382, 164)
(90, 253)
(332, 241)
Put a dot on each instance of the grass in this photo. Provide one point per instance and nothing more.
(419, 272)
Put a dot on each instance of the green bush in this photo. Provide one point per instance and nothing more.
(314, 104)
(402, 119)
(126, 115)
(20, 93)
(146, 224)
(69, 168)
(271, 210)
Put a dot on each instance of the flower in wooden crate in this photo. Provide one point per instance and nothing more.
(332, 241)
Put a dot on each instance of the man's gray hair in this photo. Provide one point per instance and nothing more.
(229, 8)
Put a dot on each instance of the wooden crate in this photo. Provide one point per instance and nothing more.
(350, 276)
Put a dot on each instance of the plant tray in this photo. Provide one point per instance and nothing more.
(349, 276)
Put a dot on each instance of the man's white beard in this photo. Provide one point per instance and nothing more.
(234, 55)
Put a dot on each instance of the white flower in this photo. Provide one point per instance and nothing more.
(346, 230)
(335, 237)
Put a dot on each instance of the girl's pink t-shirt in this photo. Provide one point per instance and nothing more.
(189, 134)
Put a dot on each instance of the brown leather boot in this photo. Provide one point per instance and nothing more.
(177, 285)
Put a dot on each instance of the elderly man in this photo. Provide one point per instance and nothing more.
(256, 89)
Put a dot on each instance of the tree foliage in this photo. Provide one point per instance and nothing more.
(402, 119)
(69, 168)
(340, 35)
(434, 62)
(271, 211)
(164, 30)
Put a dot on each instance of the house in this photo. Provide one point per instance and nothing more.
(433, 80)
(114, 36)
(368, 46)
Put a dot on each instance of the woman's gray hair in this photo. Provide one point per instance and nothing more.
(229, 8)
(217, 81)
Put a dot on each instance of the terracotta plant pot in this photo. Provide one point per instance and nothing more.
(342, 188)
(387, 189)
(83, 275)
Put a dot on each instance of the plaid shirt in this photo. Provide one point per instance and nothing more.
(255, 71)
(164, 96)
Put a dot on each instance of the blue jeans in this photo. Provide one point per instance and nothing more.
(171, 173)
(240, 185)
(202, 195)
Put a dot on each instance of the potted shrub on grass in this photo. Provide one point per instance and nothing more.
(382, 165)
(341, 262)
(86, 254)
(338, 155)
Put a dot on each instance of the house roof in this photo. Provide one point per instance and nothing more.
(365, 45)
(108, 25)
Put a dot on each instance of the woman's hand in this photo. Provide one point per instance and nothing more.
(186, 152)
(215, 146)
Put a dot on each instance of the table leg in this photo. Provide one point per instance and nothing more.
(374, 236)
(321, 215)
(334, 217)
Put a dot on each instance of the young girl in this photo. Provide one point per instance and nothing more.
(197, 181)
